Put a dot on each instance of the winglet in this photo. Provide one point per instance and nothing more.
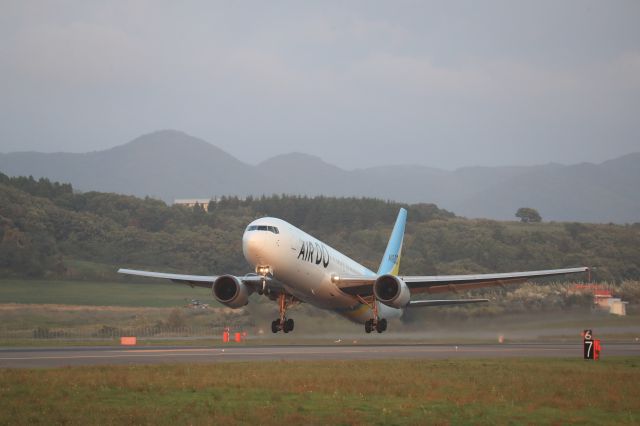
(391, 260)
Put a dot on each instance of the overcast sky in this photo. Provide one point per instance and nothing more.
(444, 84)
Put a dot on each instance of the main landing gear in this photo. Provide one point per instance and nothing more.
(376, 323)
(372, 324)
(283, 323)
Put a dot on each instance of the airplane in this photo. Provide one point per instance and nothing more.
(293, 267)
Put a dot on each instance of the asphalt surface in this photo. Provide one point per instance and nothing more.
(74, 356)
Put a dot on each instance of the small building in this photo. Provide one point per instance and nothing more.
(617, 307)
(603, 299)
(191, 202)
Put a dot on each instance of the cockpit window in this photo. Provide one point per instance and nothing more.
(263, 228)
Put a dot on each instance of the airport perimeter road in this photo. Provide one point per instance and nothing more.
(58, 357)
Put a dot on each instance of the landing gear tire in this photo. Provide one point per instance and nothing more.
(288, 325)
(368, 326)
(381, 325)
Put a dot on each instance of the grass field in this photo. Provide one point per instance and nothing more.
(77, 309)
(151, 294)
(507, 391)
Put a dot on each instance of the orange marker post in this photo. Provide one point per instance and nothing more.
(128, 341)
(238, 337)
(225, 336)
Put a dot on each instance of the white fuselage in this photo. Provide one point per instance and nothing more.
(305, 266)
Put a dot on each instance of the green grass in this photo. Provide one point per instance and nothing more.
(87, 306)
(149, 294)
(505, 391)
(213, 341)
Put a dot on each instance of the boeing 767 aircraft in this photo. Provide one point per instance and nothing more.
(291, 266)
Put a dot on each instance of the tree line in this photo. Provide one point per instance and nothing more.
(49, 230)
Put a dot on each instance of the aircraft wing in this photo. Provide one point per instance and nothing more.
(363, 285)
(431, 302)
(192, 280)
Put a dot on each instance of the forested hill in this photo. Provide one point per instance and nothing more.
(170, 164)
(48, 230)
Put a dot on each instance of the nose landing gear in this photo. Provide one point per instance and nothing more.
(283, 323)
(263, 271)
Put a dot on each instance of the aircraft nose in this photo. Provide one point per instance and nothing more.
(252, 245)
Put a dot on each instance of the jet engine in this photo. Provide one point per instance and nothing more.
(391, 291)
(230, 291)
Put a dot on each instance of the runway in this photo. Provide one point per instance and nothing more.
(75, 356)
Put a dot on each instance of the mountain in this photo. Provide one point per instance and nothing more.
(298, 173)
(169, 164)
(606, 192)
(165, 164)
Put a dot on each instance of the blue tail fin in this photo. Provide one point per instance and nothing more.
(391, 261)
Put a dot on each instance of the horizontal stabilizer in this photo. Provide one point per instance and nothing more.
(427, 303)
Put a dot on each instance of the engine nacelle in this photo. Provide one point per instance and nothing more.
(230, 291)
(391, 291)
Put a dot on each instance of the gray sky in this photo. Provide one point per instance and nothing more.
(444, 84)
